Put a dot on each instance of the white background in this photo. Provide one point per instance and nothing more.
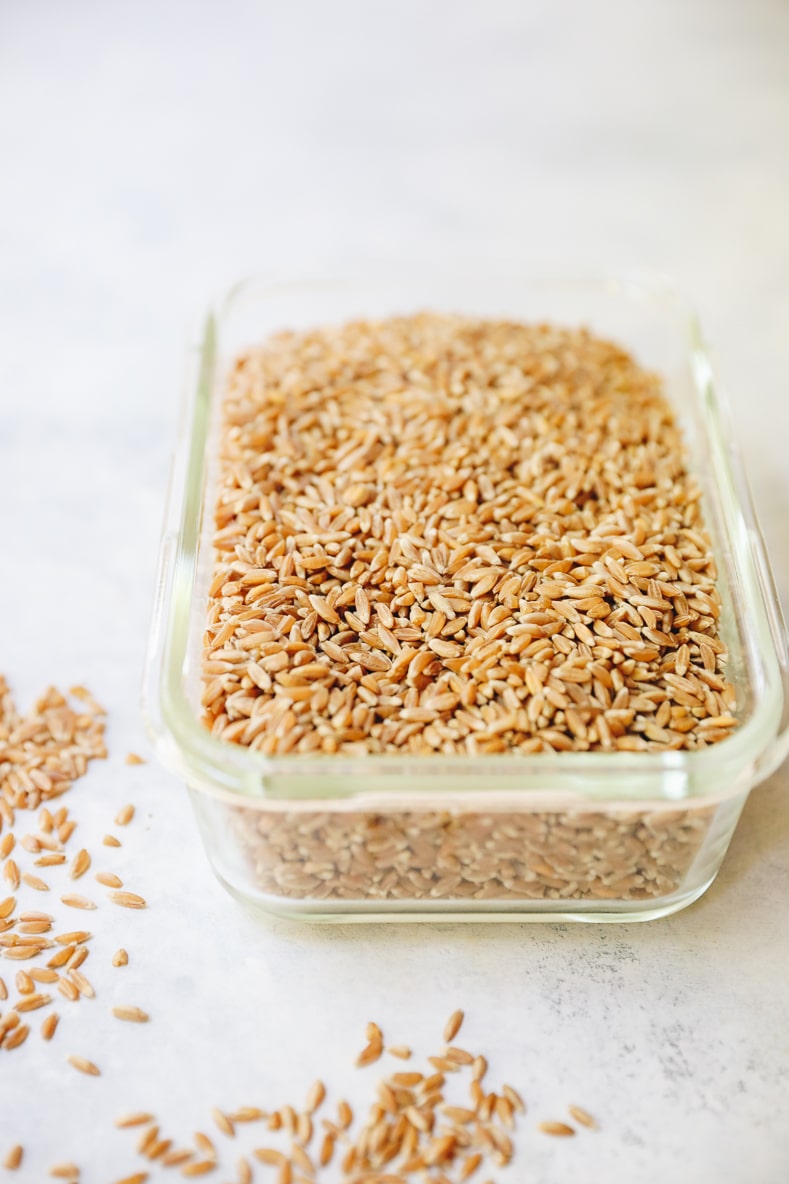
(150, 155)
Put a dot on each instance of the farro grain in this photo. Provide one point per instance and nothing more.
(148, 1138)
(327, 1150)
(128, 900)
(14, 1158)
(77, 958)
(11, 873)
(452, 1026)
(269, 1155)
(124, 815)
(16, 1037)
(120, 958)
(73, 937)
(555, 1128)
(459, 1056)
(109, 879)
(111, 841)
(75, 901)
(84, 1065)
(582, 1116)
(134, 1015)
(205, 1144)
(249, 1114)
(21, 951)
(138, 1118)
(401, 1051)
(512, 1095)
(172, 1159)
(133, 759)
(35, 927)
(300, 1159)
(159, 1148)
(65, 1171)
(80, 864)
(61, 957)
(344, 1115)
(32, 1002)
(222, 1121)
(41, 974)
(49, 1025)
(315, 1097)
(24, 983)
(68, 989)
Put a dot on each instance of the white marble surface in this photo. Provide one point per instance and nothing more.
(151, 154)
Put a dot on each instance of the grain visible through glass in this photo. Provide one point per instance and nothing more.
(437, 535)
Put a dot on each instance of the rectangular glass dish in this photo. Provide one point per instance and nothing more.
(592, 836)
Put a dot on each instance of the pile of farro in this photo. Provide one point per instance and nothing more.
(443, 535)
(41, 754)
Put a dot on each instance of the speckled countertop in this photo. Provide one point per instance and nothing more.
(154, 153)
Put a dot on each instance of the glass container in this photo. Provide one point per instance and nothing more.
(583, 836)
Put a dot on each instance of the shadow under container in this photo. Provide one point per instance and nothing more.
(584, 836)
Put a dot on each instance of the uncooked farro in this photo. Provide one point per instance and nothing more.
(497, 516)
(435, 535)
(84, 1065)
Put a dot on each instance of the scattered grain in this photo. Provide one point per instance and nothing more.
(49, 1025)
(137, 1118)
(582, 1116)
(205, 1144)
(222, 1121)
(124, 815)
(315, 1096)
(75, 901)
(452, 1026)
(109, 879)
(14, 1158)
(17, 1036)
(79, 864)
(134, 1015)
(84, 1066)
(128, 900)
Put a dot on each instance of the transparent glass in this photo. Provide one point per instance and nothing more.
(590, 836)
